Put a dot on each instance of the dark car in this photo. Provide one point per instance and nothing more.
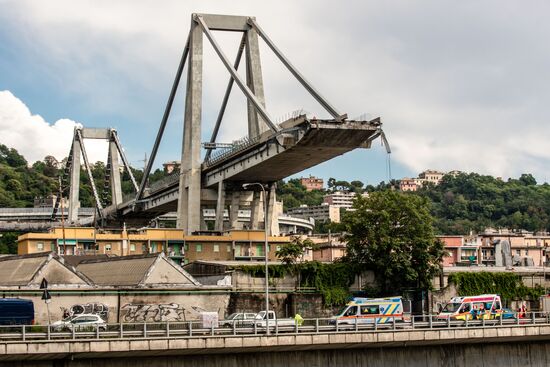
(16, 311)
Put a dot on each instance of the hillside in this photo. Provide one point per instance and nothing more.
(472, 202)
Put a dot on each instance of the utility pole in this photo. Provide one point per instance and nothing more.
(62, 216)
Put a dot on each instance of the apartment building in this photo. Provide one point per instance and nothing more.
(320, 213)
(232, 245)
(341, 199)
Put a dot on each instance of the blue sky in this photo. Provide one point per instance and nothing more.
(458, 86)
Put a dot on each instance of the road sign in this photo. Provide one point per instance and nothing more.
(44, 284)
(46, 295)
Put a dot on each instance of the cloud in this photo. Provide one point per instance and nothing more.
(34, 138)
(458, 85)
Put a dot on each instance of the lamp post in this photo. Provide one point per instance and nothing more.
(266, 251)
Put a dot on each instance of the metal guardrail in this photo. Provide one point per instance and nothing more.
(227, 328)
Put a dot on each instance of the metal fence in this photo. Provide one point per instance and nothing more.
(228, 328)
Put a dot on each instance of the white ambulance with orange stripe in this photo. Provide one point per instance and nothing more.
(371, 310)
(485, 306)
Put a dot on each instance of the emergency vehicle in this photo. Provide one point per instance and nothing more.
(371, 310)
(485, 306)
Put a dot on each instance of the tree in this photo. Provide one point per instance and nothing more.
(391, 233)
(356, 186)
(290, 252)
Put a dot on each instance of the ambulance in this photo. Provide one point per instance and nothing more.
(485, 307)
(371, 310)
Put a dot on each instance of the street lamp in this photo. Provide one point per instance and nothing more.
(246, 185)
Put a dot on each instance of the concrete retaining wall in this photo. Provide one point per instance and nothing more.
(479, 355)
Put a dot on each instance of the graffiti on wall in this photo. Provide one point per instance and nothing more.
(153, 312)
(95, 308)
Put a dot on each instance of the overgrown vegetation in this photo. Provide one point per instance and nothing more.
(508, 285)
(331, 280)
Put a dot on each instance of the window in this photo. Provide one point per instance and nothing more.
(198, 247)
(132, 247)
(352, 311)
(108, 247)
(518, 252)
(186, 247)
(216, 248)
(370, 310)
(40, 246)
(228, 248)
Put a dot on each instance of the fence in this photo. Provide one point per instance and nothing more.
(230, 328)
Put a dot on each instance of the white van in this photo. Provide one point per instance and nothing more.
(371, 310)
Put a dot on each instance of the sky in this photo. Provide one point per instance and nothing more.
(458, 85)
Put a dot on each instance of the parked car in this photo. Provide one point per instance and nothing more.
(16, 311)
(508, 314)
(80, 322)
(273, 320)
(239, 319)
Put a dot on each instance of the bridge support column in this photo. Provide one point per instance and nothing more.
(74, 200)
(220, 207)
(234, 210)
(189, 200)
(116, 186)
(272, 220)
(254, 81)
(255, 210)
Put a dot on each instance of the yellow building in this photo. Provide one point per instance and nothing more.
(233, 245)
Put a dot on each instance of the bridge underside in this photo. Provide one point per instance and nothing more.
(295, 149)
(301, 144)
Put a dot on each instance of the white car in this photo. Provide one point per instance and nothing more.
(81, 322)
(239, 319)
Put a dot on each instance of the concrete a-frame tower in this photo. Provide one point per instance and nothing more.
(113, 173)
(189, 205)
(192, 192)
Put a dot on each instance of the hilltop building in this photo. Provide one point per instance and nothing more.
(413, 184)
(312, 183)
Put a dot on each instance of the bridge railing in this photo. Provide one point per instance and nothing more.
(229, 328)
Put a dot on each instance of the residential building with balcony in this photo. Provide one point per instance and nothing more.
(341, 199)
(232, 245)
(431, 176)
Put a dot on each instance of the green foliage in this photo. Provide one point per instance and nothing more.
(391, 233)
(331, 280)
(8, 242)
(294, 194)
(472, 202)
(290, 252)
(20, 184)
(508, 285)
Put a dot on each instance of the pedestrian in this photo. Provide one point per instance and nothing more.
(298, 320)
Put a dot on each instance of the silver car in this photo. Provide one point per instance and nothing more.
(81, 322)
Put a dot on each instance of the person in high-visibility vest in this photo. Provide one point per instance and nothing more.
(299, 320)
